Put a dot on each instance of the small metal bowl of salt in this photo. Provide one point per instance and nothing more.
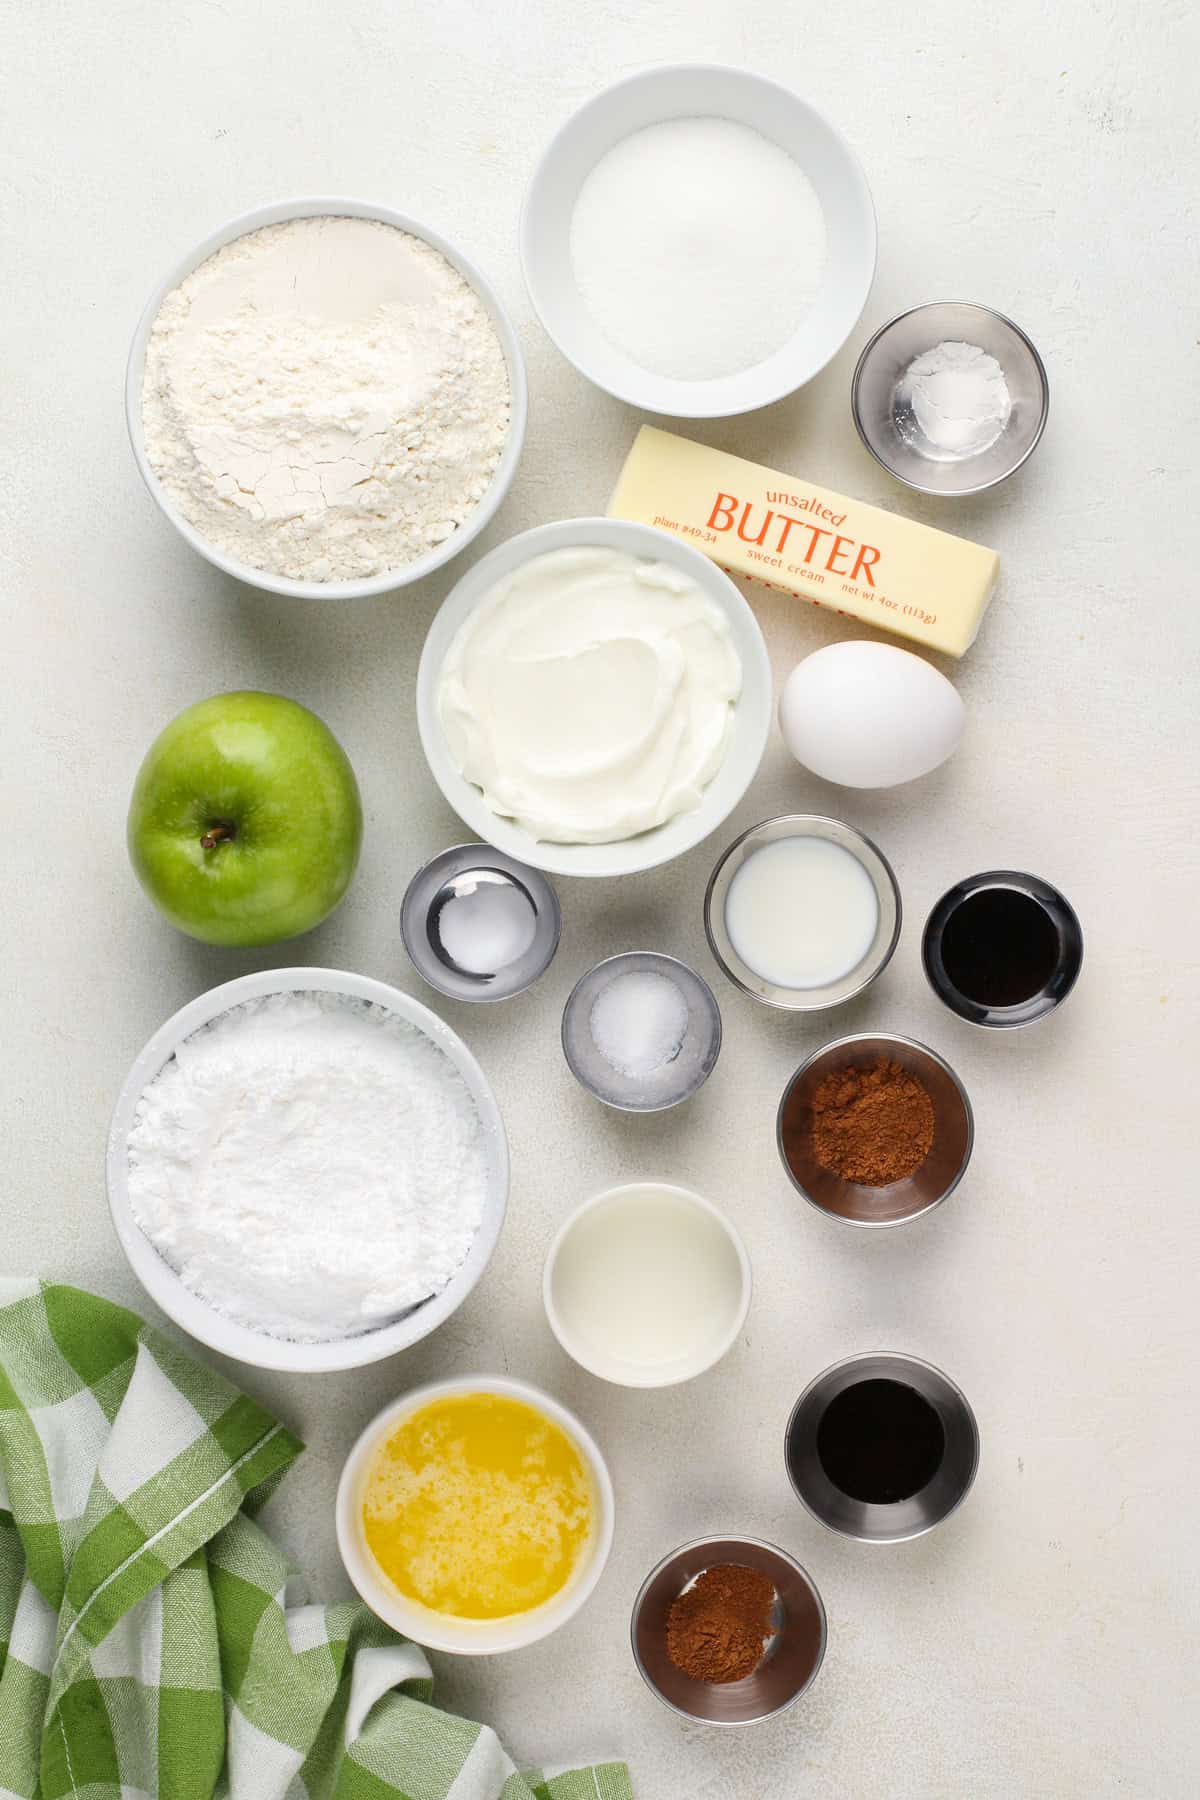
(950, 397)
(641, 1031)
(479, 925)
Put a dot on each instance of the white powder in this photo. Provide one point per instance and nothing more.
(698, 246)
(326, 398)
(952, 399)
(638, 1022)
(309, 1165)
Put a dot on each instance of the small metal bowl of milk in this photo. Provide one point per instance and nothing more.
(647, 1285)
(802, 912)
(479, 925)
(950, 397)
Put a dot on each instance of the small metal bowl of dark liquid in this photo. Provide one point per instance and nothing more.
(1002, 949)
(882, 1447)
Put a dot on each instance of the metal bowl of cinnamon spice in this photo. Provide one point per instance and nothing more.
(875, 1130)
(728, 1631)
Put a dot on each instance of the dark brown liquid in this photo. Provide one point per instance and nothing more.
(880, 1441)
(999, 947)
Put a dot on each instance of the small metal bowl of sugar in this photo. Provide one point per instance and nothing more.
(641, 1031)
(950, 397)
(479, 925)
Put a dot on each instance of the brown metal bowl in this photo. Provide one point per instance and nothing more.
(791, 1660)
(900, 1201)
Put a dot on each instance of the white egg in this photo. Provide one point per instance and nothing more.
(868, 715)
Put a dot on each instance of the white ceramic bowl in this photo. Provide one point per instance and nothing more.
(752, 714)
(195, 1315)
(421, 566)
(441, 1631)
(627, 1371)
(691, 90)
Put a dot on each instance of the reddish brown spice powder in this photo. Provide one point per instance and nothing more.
(873, 1125)
(716, 1629)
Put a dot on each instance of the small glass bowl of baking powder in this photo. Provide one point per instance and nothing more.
(950, 397)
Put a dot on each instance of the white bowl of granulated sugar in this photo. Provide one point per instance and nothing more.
(326, 399)
(698, 240)
(307, 1170)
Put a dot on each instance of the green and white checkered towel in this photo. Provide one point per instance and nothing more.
(145, 1646)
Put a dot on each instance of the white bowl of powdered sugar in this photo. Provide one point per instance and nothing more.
(307, 1169)
(326, 399)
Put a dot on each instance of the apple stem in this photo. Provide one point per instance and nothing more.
(217, 834)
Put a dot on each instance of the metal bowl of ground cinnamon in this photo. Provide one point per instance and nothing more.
(875, 1130)
(728, 1630)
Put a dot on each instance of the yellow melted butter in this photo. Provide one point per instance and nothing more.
(478, 1506)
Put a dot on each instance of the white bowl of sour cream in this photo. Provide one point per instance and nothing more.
(594, 697)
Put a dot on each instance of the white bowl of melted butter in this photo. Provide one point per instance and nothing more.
(475, 1515)
(594, 697)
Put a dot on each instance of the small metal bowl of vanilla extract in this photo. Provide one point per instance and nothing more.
(882, 1447)
(1002, 949)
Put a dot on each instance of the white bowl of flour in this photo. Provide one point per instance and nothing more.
(307, 1169)
(326, 398)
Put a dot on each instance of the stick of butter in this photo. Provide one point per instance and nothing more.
(854, 558)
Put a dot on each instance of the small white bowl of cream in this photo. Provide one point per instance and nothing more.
(802, 912)
(698, 240)
(594, 697)
(681, 1273)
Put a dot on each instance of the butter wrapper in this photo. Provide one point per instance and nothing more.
(856, 559)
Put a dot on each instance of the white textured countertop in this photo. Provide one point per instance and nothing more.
(1043, 1642)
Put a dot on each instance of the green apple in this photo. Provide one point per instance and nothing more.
(245, 822)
